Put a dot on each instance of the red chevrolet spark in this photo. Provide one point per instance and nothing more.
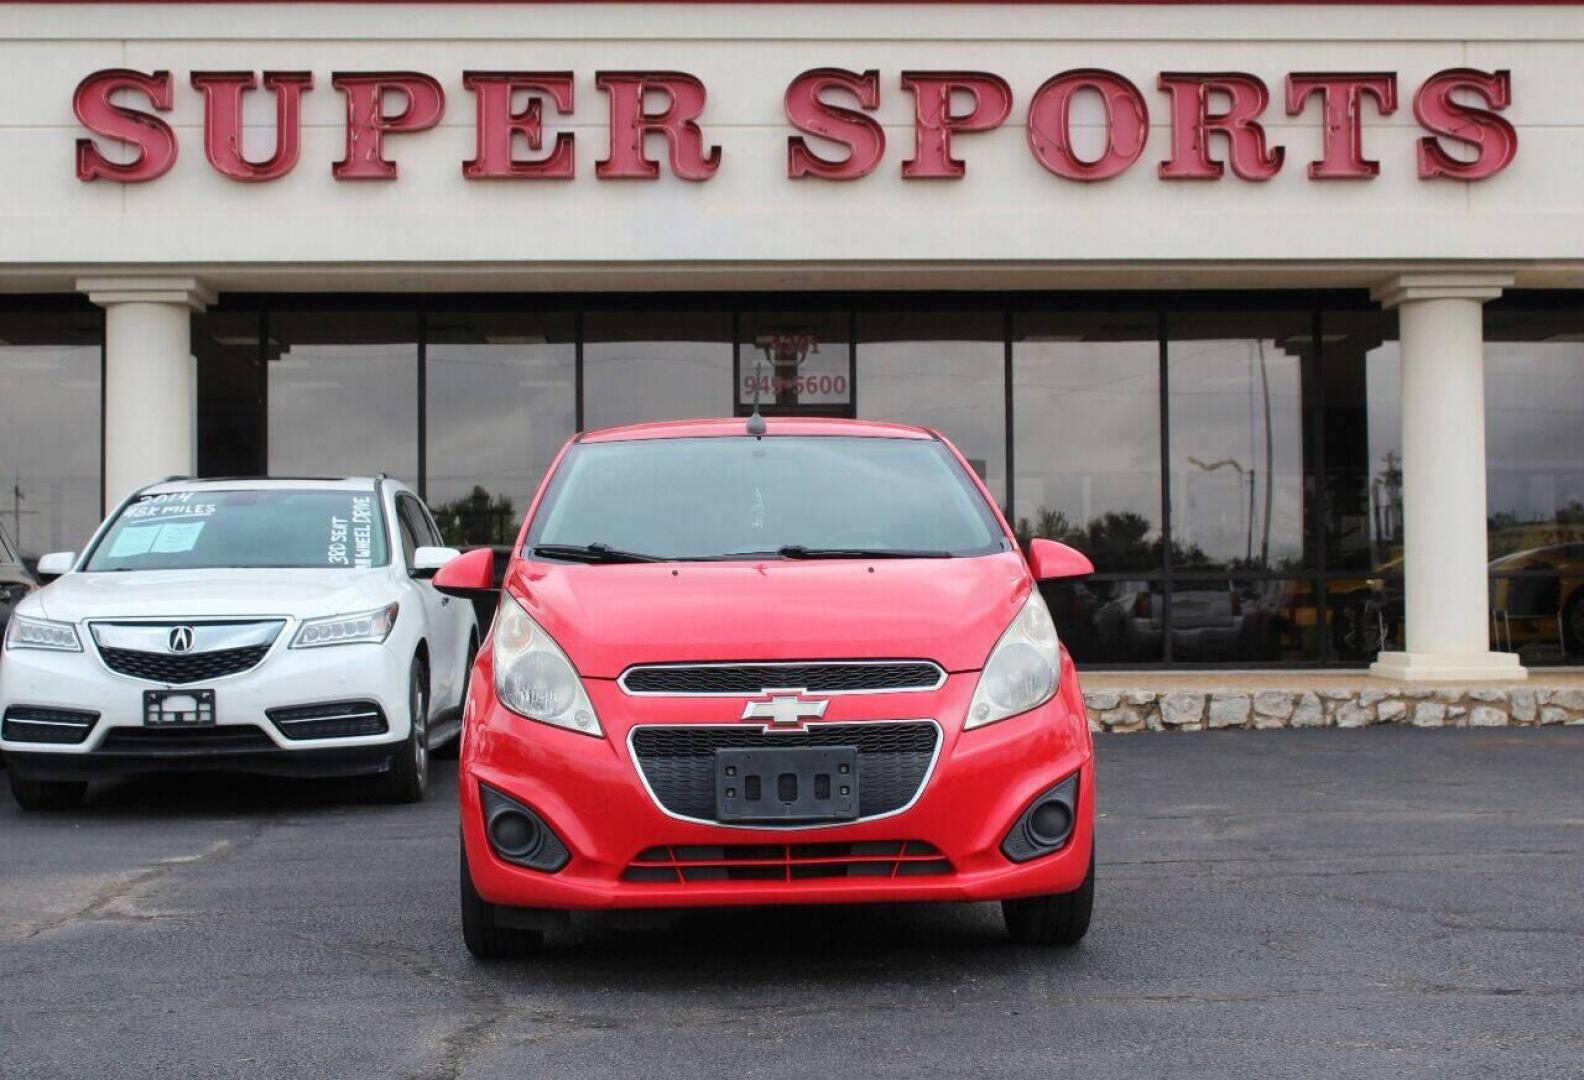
(791, 661)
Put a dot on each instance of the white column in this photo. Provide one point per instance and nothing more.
(150, 378)
(1443, 446)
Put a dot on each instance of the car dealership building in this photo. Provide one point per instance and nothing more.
(1271, 309)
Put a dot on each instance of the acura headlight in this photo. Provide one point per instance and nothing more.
(1023, 670)
(363, 627)
(533, 677)
(23, 632)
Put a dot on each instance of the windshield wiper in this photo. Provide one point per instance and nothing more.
(593, 553)
(798, 551)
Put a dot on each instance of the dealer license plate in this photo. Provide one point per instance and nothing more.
(787, 784)
(178, 708)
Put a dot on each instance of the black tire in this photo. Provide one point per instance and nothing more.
(407, 781)
(1573, 625)
(1059, 919)
(449, 749)
(483, 938)
(46, 794)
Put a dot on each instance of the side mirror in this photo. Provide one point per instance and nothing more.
(55, 564)
(1050, 560)
(470, 576)
(428, 560)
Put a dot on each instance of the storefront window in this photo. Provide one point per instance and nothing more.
(655, 365)
(941, 370)
(1534, 452)
(1237, 439)
(231, 389)
(795, 363)
(50, 417)
(343, 393)
(1086, 426)
(501, 400)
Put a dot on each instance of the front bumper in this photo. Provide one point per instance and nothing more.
(589, 792)
(80, 682)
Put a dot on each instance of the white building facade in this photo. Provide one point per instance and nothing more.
(1271, 308)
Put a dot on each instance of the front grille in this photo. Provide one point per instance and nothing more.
(829, 677)
(690, 863)
(230, 738)
(332, 720)
(33, 723)
(178, 668)
(678, 763)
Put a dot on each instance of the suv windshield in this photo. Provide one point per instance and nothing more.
(263, 527)
(794, 496)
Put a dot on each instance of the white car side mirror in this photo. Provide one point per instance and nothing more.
(428, 560)
(55, 564)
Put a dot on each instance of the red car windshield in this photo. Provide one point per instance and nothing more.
(792, 496)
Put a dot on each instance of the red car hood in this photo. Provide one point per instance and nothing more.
(609, 617)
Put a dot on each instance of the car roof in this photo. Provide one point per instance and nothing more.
(254, 483)
(774, 425)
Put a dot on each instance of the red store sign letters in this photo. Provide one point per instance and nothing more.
(1214, 123)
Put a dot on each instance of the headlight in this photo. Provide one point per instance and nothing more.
(25, 633)
(363, 627)
(1023, 670)
(533, 677)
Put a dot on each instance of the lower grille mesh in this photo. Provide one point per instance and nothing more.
(679, 762)
(30, 723)
(332, 720)
(694, 863)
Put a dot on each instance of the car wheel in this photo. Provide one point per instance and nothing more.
(1573, 625)
(408, 777)
(46, 794)
(1059, 919)
(483, 938)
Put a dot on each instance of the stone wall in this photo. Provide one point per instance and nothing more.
(1198, 710)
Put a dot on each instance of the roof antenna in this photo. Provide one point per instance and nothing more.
(756, 423)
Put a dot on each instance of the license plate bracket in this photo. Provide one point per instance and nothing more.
(178, 708)
(787, 784)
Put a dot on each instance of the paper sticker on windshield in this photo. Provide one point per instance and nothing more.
(174, 538)
(133, 541)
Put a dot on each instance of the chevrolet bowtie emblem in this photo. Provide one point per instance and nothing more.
(784, 709)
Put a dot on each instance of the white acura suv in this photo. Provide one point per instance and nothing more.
(272, 626)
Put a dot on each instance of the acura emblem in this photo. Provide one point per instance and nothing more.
(784, 708)
(181, 639)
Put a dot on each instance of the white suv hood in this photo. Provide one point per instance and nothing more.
(157, 594)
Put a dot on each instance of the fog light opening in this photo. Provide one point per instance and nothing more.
(518, 835)
(1045, 825)
(1050, 823)
(514, 833)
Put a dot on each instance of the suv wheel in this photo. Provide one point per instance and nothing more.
(408, 777)
(1059, 919)
(46, 794)
(483, 938)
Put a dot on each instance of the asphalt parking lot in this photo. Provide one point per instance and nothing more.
(1378, 902)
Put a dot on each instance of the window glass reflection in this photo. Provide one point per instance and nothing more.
(50, 387)
(655, 365)
(230, 392)
(1362, 421)
(343, 394)
(1534, 452)
(501, 389)
(795, 363)
(1105, 621)
(941, 370)
(1237, 460)
(1086, 408)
